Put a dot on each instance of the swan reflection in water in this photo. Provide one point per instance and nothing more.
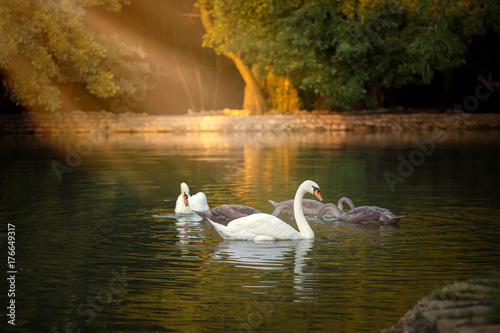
(190, 227)
(272, 256)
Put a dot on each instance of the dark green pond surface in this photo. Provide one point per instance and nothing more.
(98, 248)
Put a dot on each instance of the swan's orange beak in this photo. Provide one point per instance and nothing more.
(186, 199)
(316, 193)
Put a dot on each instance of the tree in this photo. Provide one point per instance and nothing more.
(45, 43)
(217, 21)
(346, 52)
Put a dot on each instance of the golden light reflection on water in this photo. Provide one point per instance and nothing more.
(203, 142)
(114, 211)
(255, 157)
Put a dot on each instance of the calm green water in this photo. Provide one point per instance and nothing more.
(97, 248)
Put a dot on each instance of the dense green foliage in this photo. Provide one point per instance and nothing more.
(338, 49)
(44, 44)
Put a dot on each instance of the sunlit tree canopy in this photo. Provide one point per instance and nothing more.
(341, 49)
(44, 44)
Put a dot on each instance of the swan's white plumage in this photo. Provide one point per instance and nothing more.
(196, 202)
(266, 227)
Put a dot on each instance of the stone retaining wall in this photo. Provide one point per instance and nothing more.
(106, 122)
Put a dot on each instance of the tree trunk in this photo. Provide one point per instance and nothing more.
(253, 99)
(374, 93)
(445, 90)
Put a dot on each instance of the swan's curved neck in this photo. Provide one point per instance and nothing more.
(302, 224)
(278, 209)
(347, 201)
(329, 207)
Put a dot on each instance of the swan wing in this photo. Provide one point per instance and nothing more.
(244, 209)
(198, 202)
(260, 227)
(206, 214)
(226, 213)
(370, 215)
(384, 211)
(235, 232)
(386, 216)
(363, 215)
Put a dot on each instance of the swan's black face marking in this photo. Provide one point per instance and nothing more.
(186, 199)
(317, 194)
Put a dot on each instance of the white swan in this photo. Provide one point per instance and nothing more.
(186, 204)
(266, 227)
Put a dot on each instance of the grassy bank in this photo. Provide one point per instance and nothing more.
(471, 306)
